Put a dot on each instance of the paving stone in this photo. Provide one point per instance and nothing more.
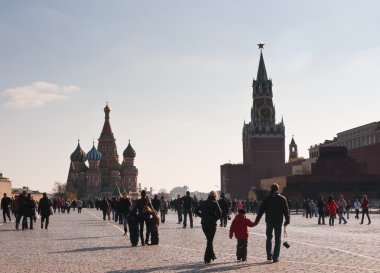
(85, 243)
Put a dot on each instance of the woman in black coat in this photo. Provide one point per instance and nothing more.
(210, 212)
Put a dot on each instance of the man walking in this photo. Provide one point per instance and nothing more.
(44, 210)
(187, 202)
(275, 208)
(224, 205)
(6, 203)
(342, 204)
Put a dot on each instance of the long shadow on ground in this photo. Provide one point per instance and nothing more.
(196, 267)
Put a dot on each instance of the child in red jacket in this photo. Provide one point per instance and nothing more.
(240, 226)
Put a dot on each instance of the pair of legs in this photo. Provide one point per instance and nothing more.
(341, 218)
(79, 210)
(241, 249)
(162, 214)
(141, 229)
(356, 214)
(7, 213)
(223, 220)
(321, 218)
(209, 230)
(179, 212)
(43, 217)
(185, 213)
(331, 220)
(365, 212)
(277, 241)
(25, 222)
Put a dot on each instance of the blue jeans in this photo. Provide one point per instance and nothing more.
(341, 217)
(179, 211)
(277, 240)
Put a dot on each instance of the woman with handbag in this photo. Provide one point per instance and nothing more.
(210, 212)
(144, 209)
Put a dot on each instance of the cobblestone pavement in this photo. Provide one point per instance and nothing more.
(85, 243)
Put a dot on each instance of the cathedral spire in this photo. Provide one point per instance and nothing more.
(107, 131)
(261, 72)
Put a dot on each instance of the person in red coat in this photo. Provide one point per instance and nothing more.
(239, 227)
(331, 207)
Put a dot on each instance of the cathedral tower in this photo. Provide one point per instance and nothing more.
(107, 147)
(93, 173)
(128, 170)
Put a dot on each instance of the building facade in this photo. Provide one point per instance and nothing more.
(5, 186)
(263, 141)
(362, 144)
(104, 173)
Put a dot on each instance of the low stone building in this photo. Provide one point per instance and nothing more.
(5, 185)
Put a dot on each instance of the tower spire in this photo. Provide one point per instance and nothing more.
(261, 72)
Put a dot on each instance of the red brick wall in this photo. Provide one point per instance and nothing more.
(370, 155)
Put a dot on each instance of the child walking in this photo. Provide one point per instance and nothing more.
(239, 227)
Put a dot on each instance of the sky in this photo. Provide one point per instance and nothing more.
(177, 76)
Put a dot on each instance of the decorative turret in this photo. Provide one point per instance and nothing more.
(94, 154)
(129, 152)
(78, 155)
(293, 151)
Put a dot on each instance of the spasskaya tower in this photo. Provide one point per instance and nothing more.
(263, 141)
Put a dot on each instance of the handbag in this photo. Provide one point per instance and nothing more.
(51, 210)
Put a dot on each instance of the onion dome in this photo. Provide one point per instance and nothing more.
(78, 155)
(129, 152)
(94, 154)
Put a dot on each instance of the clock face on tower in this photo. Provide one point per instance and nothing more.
(265, 112)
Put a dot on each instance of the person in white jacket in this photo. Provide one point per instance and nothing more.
(357, 206)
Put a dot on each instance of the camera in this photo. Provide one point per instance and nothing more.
(286, 244)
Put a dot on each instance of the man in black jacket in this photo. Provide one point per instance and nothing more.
(125, 209)
(6, 203)
(187, 202)
(224, 204)
(275, 208)
(44, 210)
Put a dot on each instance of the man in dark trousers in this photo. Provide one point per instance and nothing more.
(275, 208)
(224, 205)
(187, 202)
(125, 209)
(6, 203)
(44, 210)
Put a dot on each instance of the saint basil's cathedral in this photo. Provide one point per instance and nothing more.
(103, 175)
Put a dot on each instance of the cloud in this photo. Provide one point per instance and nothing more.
(37, 95)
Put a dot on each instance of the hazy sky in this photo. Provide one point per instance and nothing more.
(177, 75)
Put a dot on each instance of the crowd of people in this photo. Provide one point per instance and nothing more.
(145, 214)
(333, 208)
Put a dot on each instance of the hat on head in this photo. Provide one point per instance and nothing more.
(241, 211)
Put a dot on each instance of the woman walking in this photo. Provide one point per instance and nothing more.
(331, 207)
(365, 209)
(210, 212)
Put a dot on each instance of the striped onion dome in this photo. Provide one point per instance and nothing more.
(129, 152)
(94, 154)
(78, 155)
